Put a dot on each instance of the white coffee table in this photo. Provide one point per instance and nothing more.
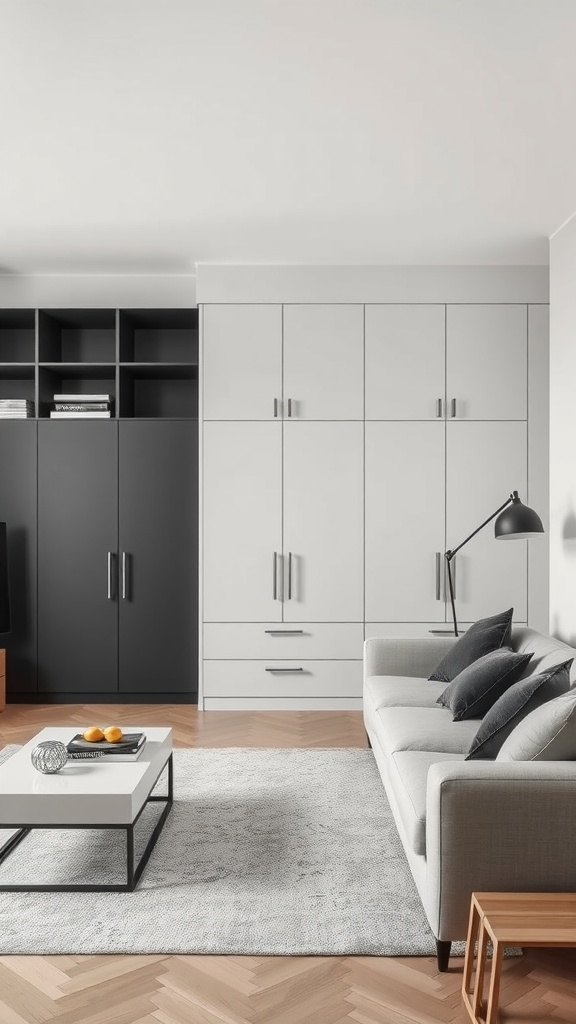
(89, 794)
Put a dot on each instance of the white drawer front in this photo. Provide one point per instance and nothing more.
(294, 678)
(283, 640)
(392, 629)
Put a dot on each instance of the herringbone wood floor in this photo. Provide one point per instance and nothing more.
(538, 987)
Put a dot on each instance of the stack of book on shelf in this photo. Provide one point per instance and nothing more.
(81, 407)
(16, 408)
(128, 748)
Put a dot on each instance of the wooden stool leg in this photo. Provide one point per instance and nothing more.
(492, 1011)
(473, 926)
(480, 968)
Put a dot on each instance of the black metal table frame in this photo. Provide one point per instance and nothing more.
(133, 871)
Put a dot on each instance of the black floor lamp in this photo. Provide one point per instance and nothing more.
(515, 522)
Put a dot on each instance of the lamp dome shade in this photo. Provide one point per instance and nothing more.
(517, 521)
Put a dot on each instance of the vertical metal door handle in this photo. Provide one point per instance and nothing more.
(290, 407)
(275, 408)
(124, 576)
(289, 575)
(110, 590)
(453, 407)
(438, 574)
(438, 408)
(275, 576)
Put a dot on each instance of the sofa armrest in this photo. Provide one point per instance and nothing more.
(404, 656)
(497, 827)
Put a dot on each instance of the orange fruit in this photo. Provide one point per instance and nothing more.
(113, 734)
(93, 734)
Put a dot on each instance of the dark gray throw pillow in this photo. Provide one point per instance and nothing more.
(473, 692)
(484, 636)
(517, 702)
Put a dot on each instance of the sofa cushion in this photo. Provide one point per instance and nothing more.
(514, 705)
(546, 651)
(483, 636)
(546, 734)
(473, 692)
(402, 691)
(423, 729)
(408, 774)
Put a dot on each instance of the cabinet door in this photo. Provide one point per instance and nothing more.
(405, 362)
(18, 461)
(77, 528)
(158, 571)
(405, 522)
(242, 362)
(323, 522)
(323, 362)
(242, 522)
(485, 462)
(487, 362)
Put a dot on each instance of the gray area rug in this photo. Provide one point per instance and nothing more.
(265, 852)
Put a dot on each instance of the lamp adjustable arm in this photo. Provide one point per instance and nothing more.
(449, 555)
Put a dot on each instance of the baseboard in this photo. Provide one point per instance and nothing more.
(282, 703)
(106, 698)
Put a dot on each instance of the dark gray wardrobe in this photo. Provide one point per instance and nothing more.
(102, 514)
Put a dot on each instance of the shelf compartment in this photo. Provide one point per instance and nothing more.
(17, 336)
(52, 381)
(158, 391)
(88, 371)
(158, 335)
(77, 336)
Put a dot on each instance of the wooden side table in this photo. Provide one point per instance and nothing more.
(511, 919)
(2, 679)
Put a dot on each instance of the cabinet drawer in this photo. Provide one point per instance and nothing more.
(283, 640)
(295, 678)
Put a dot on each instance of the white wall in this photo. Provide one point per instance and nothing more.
(62, 291)
(563, 433)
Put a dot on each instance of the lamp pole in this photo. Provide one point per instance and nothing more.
(449, 555)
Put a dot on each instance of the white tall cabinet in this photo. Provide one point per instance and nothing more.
(345, 447)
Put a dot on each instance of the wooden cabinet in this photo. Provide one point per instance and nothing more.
(157, 556)
(323, 522)
(393, 430)
(18, 509)
(484, 463)
(405, 521)
(405, 362)
(323, 362)
(242, 360)
(116, 559)
(77, 557)
(487, 362)
(242, 514)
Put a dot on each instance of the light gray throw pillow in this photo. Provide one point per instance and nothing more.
(546, 734)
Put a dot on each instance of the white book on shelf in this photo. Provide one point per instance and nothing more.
(83, 398)
(95, 415)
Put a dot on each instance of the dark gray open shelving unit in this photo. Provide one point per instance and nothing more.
(146, 359)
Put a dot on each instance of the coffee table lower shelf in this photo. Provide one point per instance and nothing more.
(133, 870)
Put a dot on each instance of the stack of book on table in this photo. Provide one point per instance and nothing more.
(128, 748)
(16, 408)
(81, 407)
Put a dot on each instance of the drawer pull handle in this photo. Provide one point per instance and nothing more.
(283, 669)
(284, 632)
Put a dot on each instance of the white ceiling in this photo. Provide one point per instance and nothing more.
(146, 135)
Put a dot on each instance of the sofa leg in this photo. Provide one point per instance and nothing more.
(443, 954)
(368, 740)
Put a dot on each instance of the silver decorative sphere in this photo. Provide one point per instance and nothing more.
(49, 756)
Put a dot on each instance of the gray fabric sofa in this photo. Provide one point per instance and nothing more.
(465, 825)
